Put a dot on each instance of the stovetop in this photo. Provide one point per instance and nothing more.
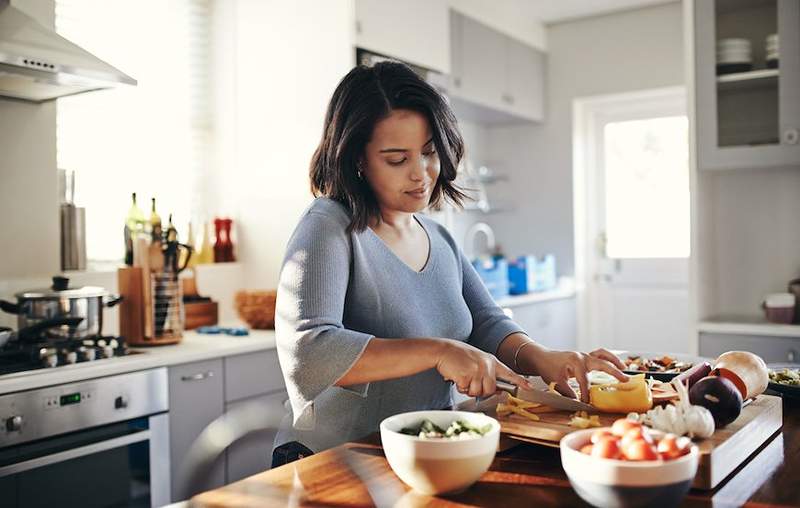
(52, 353)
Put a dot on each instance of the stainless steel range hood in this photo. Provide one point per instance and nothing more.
(37, 64)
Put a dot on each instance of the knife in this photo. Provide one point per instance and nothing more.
(543, 395)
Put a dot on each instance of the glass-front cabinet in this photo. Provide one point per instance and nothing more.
(747, 83)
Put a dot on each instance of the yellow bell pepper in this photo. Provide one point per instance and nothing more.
(633, 396)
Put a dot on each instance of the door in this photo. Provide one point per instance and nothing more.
(633, 236)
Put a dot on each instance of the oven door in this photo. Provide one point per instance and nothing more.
(121, 464)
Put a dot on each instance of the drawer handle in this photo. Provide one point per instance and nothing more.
(198, 377)
(791, 356)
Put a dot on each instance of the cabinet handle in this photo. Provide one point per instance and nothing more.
(791, 136)
(791, 356)
(198, 377)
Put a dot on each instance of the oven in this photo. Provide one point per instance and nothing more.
(97, 443)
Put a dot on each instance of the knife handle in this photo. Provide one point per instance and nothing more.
(507, 387)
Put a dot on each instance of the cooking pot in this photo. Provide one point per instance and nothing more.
(62, 301)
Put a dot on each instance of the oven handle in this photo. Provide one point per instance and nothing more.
(74, 453)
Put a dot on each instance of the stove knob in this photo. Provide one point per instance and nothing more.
(14, 424)
(71, 357)
(108, 352)
(88, 354)
(51, 360)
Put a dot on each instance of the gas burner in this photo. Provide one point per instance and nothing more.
(17, 357)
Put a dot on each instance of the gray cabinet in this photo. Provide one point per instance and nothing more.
(195, 400)
(771, 349)
(253, 454)
(749, 119)
(253, 378)
(494, 71)
(552, 323)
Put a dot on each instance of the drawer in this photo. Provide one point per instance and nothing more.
(771, 349)
(252, 374)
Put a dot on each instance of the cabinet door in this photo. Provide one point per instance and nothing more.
(415, 31)
(771, 349)
(749, 120)
(253, 454)
(525, 80)
(252, 374)
(483, 64)
(195, 400)
(550, 323)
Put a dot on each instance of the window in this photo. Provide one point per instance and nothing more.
(647, 188)
(152, 139)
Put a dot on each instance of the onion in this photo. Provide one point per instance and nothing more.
(746, 370)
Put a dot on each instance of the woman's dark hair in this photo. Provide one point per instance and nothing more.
(363, 97)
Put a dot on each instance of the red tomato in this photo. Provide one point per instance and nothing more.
(607, 448)
(640, 450)
(634, 434)
(587, 449)
(600, 434)
(621, 426)
(669, 449)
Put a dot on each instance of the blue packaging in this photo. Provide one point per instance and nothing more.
(527, 274)
(494, 274)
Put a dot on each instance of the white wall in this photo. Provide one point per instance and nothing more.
(614, 53)
(279, 65)
(28, 178)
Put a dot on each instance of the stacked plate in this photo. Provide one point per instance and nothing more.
(773, 51)
(734, 55)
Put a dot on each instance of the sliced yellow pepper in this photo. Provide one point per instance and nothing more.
(633, 396)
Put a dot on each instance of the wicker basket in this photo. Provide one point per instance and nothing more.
(257, 308)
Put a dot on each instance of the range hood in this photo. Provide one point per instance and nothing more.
(37, 64)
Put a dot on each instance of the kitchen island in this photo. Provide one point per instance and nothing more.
(525, 475)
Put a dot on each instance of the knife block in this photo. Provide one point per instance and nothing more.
(138, 304)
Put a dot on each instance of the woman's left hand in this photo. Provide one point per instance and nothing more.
(559, 366)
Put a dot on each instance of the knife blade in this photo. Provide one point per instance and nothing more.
(543, 395)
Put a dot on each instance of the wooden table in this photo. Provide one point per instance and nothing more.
(527, 475)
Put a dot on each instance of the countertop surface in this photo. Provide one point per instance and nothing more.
(526, 475)
(194, 347)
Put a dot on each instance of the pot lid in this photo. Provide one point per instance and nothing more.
(61, 289)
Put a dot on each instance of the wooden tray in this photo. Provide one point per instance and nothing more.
(722, 453)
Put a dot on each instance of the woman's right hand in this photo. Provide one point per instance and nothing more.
(473, 371)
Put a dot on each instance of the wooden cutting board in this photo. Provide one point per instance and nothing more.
(720, 454)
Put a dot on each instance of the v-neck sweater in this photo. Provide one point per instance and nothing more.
(337, 291)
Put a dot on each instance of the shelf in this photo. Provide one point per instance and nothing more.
(564, 289)
(761, 78)
(739, 325)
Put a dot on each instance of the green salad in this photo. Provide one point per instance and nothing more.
(459, 429)
(785, 377)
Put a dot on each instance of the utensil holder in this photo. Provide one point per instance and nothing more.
(167, 311)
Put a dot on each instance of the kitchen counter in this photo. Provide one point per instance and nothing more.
(526, 475)
(194, 347)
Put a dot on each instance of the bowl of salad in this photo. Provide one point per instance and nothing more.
(440, 452)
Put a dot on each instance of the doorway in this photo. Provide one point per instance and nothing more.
(632, 221)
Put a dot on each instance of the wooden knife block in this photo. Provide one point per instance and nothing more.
(136, 303)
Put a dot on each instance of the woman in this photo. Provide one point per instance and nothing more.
(378, 309)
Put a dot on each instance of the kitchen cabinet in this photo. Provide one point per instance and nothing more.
(771, 349)
(414, 31)
(749, 119)
(195, 400)
(495, 71)
(551, 323)
(253, 378)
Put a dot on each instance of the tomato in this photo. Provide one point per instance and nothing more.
(621, 426)
(600, 434)
(634, 434)
(587, 449)
(669, 449)
(607, 448)
(640, 449)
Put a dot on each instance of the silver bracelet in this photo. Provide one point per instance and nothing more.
(516, 353)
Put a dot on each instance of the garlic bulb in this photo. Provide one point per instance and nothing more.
(681, 419)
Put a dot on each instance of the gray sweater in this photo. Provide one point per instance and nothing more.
(337, 291)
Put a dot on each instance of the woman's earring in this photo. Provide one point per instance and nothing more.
(360, 168)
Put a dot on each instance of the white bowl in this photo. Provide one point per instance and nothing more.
(439, 466)
(626, 484)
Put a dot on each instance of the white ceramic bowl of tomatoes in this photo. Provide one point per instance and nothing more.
(628, 465)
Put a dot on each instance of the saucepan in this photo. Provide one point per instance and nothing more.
(62, 301)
